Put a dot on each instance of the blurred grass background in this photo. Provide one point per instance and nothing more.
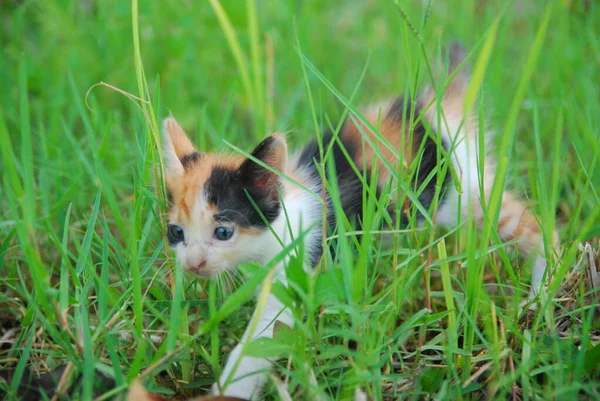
(80, 239)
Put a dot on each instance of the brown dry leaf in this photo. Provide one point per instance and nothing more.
(137, 392)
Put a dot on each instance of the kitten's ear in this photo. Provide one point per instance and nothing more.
(272, 152)
(178, 150)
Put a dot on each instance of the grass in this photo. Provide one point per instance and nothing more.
(88, 283)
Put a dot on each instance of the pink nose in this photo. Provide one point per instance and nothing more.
(198, 267)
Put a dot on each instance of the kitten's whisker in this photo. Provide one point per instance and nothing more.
(230, 281)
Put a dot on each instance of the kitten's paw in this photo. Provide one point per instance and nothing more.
(527, 305)
(240, 395)
(536, 297)
(233, 392)
(215, 389)
(245, 389)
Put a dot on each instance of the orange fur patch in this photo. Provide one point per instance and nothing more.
(250, 231)
(186, 188)
(516, 222)
(391, 129)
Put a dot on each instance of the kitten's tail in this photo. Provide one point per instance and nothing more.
(461, 132)
(453, 84)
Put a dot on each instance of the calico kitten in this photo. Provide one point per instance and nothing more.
(214, 226)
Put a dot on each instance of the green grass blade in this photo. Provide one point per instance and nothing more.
(480, 67)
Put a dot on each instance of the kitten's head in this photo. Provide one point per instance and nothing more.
(220, 205)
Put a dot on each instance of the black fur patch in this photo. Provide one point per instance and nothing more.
(230, 191)
(189, 160)
(258, 176)
(349, 184)
(429, 156)
(261, 151)
(398, 109)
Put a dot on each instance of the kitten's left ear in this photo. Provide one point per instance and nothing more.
(272, 152)
(179, 152)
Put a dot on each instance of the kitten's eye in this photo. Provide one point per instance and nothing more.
(174, 234)
(223, 233)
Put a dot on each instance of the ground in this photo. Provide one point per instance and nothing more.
(88, 287)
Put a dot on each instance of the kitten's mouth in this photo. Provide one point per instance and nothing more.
(201, 270)
(205, 274)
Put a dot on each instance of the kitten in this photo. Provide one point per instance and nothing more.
(213, 226)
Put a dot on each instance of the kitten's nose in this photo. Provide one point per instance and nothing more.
(198, 266)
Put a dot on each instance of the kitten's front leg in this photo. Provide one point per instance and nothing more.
(251, 374)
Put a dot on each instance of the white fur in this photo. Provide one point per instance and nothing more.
(466, 158)
(200, 246)
(201, 253)
(303, 213)
(250, 376)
